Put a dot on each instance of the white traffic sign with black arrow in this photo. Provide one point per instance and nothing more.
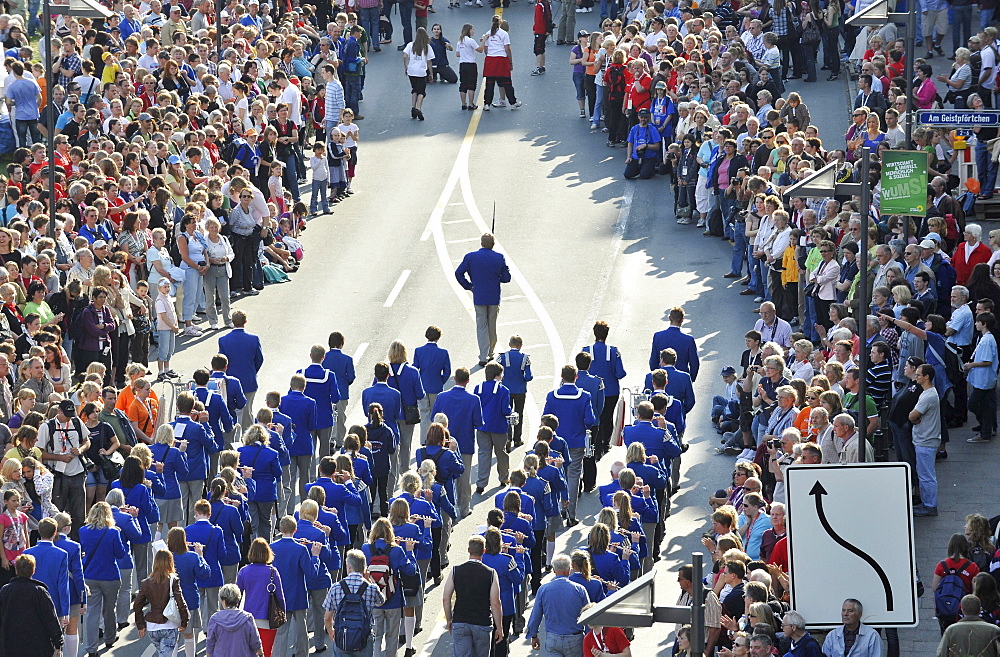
(850, 535)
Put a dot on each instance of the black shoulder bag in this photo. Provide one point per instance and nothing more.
(411, 414)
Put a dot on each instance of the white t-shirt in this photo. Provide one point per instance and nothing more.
(496, 44)
(467, 50)
(416, 65)
(350, 132)
(654, 37)
(293, 98)
(989, 62)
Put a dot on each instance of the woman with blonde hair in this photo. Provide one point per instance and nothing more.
(407, 525)
(38, 482)
(157, 591)
(402, 561)
(446, 515)
(101, 542)
(175, 464)
(405, 378)
(257, 453)
(613, 569)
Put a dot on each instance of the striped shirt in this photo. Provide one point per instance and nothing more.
(334, 100)
(372, 596)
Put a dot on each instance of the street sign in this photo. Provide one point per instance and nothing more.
(850, 535)
(964, 132)
(904, 182)
(959, 118)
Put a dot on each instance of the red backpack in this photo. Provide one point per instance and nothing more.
(381, 571)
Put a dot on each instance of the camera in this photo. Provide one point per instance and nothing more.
(774, 443)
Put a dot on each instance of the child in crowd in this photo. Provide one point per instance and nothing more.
(166, 328)
(320, 179)
(350, 131)
(337, 161)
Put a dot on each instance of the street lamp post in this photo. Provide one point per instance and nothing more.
(50, 117)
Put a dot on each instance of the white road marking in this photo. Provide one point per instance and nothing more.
(517, 321)
(456, 221)
(431, 643)
(359, 352)
(533, 346)
(397, 288)
(513, 297)
(465, 240)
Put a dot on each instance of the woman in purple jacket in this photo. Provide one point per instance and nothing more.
(255, 581)
(98, 325)
(232, 631)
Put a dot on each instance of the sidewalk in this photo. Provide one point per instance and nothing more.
(959, 494)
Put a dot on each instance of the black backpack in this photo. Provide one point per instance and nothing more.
(353, 625)
(438, 476)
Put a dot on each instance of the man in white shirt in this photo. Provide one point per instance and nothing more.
(656, 33)
(291, 96)
(150, 61)
(62, 440)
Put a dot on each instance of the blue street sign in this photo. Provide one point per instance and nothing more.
(959, 118)
(964, 132)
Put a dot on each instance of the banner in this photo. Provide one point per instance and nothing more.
(904, 183)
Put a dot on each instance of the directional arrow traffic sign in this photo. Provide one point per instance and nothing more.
(850, 535)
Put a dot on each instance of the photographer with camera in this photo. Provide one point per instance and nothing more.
(781, 454)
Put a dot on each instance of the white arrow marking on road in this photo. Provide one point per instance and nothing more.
(397, 288)
(359, 352)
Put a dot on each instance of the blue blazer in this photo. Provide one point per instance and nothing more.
(482, 272)
(219, 417)
(494, 398)
(422, 549)
(296, 565)
(175, 466)
(442, 504)
(558, 488)
(538, 488)
(527, 502)
(612, 568)
(191, 568)
(266, 470)
(227, 518)
(52, 569)
(102, 548)
(338, 496)
(343, 366)
(200, 445)
(406, 379)
(77, 587)
(141, 498)
(327, 563)
(391, 400)
(679, 385)
(434, 365)
(608, 365)
(235, 399)
(130, 531)
(212, 537)
(595, 589)
(510, 575)
(465, 415)
(516, 371)
(575, 411)
(302, 411)
(400, 561)
(449, 466)
(595, 386)
(656, 440)
(285, 439)
(674, 338)
(323, 388)
(382, 442)
(159, 487)
(245, 356)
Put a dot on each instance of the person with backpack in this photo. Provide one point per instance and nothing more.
(952, 581)
(387, 561)
(643, 148)
(349, 606)
(63, 439)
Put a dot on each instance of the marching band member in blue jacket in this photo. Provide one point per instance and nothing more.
(256, 453)
(280, 427)
(236, 399)
(52, 566)
(482, 272)
(140, 496)
(246, 357)
(595, 386)
(434, 365)
(390, 398)
(582, 575)
(77, 585)
(318, 586)
(172, 463)
(354, 467)
(302, 411)
(491, 437)
(386, 562)
(573, 407)
(296, 564)
(219, 417)
(517, 374)
(406, 379)
(102, 547)
(441, 449)
(678, 381)
(197, 437)
(190, 566)
(465, 414)
(613, 569)
(213, 538)
(435, 493)
(126, 522)
(541, 493)
(226, 516)
(382, 442)
(322, 387)
(341, 490)
(409, 527)
(673, 337)
(342, 366)
(511, 576)
(607, 364)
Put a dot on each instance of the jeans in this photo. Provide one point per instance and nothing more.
(739, 248)
(216, 281)
(986, 168)
(575, 473)
(831, 49)
(902, 439)
(563, 645)
(983, 403)
(34, 22)
(352, 91)
(728, 204)
(486, 330)
(961, 25)
(166, 341)
(101, 604)
(985, 16)
(192, 283)
(405, 14)
(368, 650)
(290, 176)
(319, 196)
(609, 9)
(809, 320)
(471, 640)
(580, 82)
(164, 641)
(926, 476)
(27, 132)
(724, 408)
(368, 16)
(595, 118)
(489, 444)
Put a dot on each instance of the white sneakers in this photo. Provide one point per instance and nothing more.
(746, 455)
(192, 331)
(515, 105)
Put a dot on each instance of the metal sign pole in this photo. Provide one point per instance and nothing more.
(697, 606)
(864, 303)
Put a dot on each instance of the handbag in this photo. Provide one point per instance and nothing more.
(172, 613)
(411, 414)
(810, 34)
(811, 290)
(275, 606)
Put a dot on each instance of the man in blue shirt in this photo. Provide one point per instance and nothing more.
(644, 143)
(560, 602)
(607, 364)
(961, 333)
(434, 365)
(465, 414)
(25, 96)
(674, 338)
(246, 357)
(595, 386)
(491, 436)
(53, 566)
(982, 378)
(230, 387)
(517, 374)
(189, 427)
(321, 387)
(219, 417)
(296, 564)
(572, 406)
(342, 366)
(482, 272)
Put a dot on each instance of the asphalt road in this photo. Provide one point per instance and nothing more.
(582, 245)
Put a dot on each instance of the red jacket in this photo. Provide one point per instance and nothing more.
(963, 267)
(543, 14)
